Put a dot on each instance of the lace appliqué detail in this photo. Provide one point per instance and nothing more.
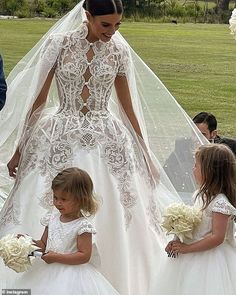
(46, 218)
(62, 236)
(154, 213)
(79, 123)
(86, 227)
(10, 213)
(224, 207)
(50, 51)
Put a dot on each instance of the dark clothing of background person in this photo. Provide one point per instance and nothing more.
(3, 85)
(181, 159)
(230, 142)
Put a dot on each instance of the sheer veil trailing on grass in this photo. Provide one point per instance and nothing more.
(165, 125)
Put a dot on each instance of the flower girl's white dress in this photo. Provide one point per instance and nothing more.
(61, 279)
(210, 272)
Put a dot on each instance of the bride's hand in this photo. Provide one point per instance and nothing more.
(13, 164)
(154, 172)
(152, 169)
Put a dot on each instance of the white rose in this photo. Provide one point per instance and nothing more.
(180, 219)
(19, 265)
(15, 251)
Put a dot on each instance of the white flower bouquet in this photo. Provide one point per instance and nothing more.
(232, 23)
(16, 252)
(180, 220)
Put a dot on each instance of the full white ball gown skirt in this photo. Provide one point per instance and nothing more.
(129, 237)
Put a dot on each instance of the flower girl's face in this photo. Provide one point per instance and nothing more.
(65, 203)
(197, 172)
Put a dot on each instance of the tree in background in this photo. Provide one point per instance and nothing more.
(224, 5)
(10, 7)
(166, 10)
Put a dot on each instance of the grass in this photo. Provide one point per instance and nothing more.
(195, 61)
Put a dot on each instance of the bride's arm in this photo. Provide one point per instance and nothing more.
(40, 100)
(42, 97)
(123, 93)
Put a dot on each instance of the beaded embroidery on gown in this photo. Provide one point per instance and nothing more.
(61, 279)
(84, 133)
(210, 272)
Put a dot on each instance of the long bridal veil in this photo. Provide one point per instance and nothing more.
(169, 134)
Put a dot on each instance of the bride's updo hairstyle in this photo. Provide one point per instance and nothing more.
(103, 7)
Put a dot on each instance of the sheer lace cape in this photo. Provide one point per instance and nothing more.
(164, 124)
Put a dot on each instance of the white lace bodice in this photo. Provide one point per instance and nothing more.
(221, 205)
(85, 72)
(62, 237)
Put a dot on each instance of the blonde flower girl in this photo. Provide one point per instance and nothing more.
(67, 243)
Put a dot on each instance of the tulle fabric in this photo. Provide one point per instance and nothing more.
(207, 273)
(126, 252)
(60, 279)
(57, 278)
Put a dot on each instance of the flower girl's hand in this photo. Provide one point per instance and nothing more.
(168, 248)
(20, 235)
(178, 247)
(50, 257)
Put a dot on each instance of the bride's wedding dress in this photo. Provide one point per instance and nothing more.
(85, 134)
(88, 129)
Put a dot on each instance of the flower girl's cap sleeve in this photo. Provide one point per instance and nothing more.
(46, 218)
(86, 227)
(222, 205)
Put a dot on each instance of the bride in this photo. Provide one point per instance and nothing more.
(75, 100)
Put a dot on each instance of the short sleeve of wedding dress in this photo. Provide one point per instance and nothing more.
(125, 60)
(51, 49)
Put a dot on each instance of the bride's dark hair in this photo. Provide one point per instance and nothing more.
(103, 7)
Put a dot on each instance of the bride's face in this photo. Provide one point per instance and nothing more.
(102, 27)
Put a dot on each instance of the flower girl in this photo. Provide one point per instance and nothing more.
(206, 263)
(67, 243)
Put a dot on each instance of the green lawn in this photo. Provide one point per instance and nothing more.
(197, 62)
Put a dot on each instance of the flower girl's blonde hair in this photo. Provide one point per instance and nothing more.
(79, 184)
(218, 169)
